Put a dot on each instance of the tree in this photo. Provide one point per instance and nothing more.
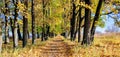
(1, 23)
(19, 33)
(72, 21)
(33, 21)
(43, 29)
(25, 24)
(96, 17)
(80, 22)
(6, 22)
(86, 34)
(15, 28)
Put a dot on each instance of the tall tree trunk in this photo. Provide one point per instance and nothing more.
(33, 21)
(25, 33)
(15, 39)
(86, 34)
(72, 21)
(97, 14)
(6, 31)
(43, 28)
(25, 25)
(80, 22)
(6, 24)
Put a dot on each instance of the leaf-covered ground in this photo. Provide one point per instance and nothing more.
(102, 47)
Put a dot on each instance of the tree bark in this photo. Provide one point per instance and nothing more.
(0, 36)
(38, 34)
(79, 26)
(25, 33)
(11, 24)
(6, 24)
(80, 22)
(86, 34)
(33, 21)
(0, 42)
(72, 21)
(43, 28)
(97, 14)
(15, 39)
(19, 33)
(25, 26)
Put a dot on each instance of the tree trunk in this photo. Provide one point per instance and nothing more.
(0, 37)
(97, 14)
(72, 21)
(43, 34)
(0, 42)
(6, 31)
(25, 25)
(28, 34)
(25, 33)
(80, 22)
(38, 35)
(19, 33)
(47, 31)
(15, 39)
(43, 28)
(6, 24)
(86, 34)
(15, 44)
(76, 29)
(33, 21)
(11, 24)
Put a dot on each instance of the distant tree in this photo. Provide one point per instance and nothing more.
(1, 35)
(43, 27)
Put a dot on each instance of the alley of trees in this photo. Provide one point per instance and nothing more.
(21, 20)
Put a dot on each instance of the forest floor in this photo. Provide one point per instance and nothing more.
(56, 48)
(61, 47)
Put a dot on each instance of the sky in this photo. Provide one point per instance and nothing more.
(109, 22)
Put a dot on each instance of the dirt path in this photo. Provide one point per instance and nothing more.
(56, 48)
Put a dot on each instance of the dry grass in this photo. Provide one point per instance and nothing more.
(28, 51)
(102, 47)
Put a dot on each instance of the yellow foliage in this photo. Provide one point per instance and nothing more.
(82, 4)
(20, 22)
(21, 7)
(116, 12)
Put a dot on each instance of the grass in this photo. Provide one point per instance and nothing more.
(28, 51)
(102, 47)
